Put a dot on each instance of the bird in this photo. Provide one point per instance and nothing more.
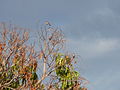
(47, 23)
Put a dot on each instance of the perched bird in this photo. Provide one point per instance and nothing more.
(47, 23)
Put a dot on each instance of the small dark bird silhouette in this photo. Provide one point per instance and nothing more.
(73, 56)
(47, 23)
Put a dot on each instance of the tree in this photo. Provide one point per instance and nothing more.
(37, 66)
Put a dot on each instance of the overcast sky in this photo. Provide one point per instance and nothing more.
(92, 28)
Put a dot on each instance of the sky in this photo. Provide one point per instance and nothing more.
(91, 27)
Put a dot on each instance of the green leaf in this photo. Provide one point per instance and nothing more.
(34, 76)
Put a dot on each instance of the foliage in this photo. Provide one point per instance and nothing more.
(67, 76)
(30, 67)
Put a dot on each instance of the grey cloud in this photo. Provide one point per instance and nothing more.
(106, 81)
(103, 21)
(94, 47)
(115, 6)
